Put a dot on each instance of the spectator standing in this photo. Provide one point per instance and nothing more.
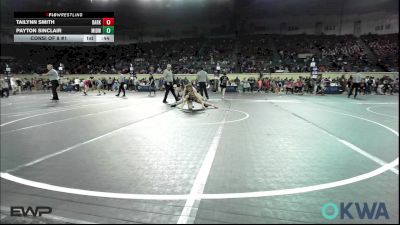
(260, 84)
(152, 84)
(223, 83)
(109, 84)
(76, 82)
(4, 88)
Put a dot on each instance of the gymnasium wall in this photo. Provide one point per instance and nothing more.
(330, 24)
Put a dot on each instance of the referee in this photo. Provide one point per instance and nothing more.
(202, 78)
(121, 81)
(356, 84)
(53, 77)
(169, 83)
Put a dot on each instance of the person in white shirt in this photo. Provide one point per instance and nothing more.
(54, 78)
(202, 79)
(355, 84)
(121, 81)
(76, 82)
(13, 85)
(168, 83)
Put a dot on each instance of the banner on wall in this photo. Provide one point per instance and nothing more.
(304, 55)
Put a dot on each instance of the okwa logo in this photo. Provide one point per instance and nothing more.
(349, 210)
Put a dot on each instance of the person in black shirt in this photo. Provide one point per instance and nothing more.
(19, 84)
(152, 84)
(349, 83)
(387, 85)
(223, 83)
(109, 84)
(252, 82)
(237, 81)
(4, 88)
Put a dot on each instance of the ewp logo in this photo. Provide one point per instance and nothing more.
(364, 211)
(33, 211)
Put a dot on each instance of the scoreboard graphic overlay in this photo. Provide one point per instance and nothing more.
(64, 27)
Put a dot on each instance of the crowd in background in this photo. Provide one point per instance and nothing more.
(267, 84)
(386, 49)
(246, 54)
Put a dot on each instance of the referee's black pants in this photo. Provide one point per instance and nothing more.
(54, 86)
(354, 86)
(203, 87)
(169, 87)
(121, 87)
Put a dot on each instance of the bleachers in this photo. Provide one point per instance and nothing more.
(245, 54)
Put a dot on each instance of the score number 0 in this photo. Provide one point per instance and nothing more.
(108, 25)
(108, 21)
